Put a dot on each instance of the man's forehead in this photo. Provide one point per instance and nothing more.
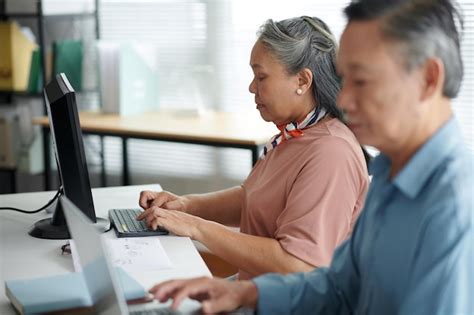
(361, 45)
(362, 34)
(355, 66)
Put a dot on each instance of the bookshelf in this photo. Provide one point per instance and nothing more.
(37, 15)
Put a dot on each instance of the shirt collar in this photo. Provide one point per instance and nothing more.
(419, 168)
(379, 165)
(423, 163)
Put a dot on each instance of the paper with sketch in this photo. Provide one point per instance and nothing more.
(138, 253)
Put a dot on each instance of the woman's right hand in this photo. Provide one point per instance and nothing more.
(163, 199)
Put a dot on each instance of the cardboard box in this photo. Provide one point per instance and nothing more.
(16, 51)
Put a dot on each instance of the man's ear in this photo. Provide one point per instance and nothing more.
(305, 79)
(433, 76)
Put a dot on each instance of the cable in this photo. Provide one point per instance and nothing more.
(38, 210)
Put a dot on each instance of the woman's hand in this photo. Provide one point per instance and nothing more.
(176, 222)
(163, 199)
(216, 295)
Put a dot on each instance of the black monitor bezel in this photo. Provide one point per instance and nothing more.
(60, 100)
(78, 190)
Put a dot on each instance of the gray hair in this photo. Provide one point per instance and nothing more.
(306, 42)
(425, 28)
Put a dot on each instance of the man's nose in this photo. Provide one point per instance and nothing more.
(345, 100)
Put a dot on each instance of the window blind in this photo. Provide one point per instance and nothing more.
(463, 104)
(202, 50)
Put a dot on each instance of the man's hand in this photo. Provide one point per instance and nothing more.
(216, 295)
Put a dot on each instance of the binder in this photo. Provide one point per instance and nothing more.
(67, 58)
(35, 79)
(15, 57)
(128, 85)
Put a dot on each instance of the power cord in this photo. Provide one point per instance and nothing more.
(56, 196)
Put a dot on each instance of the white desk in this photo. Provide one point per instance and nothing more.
(22, 256)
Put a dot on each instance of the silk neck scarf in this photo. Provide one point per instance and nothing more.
(293, 130)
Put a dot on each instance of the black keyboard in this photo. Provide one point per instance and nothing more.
(126, 225)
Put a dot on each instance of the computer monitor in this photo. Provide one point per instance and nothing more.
(68, 147)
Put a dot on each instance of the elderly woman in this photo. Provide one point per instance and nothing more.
(304, 194)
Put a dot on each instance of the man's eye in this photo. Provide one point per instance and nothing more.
(359, 82)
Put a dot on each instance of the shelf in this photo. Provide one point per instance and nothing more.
(39, 12)
(18, 94)
(51, 16)
(39, 94)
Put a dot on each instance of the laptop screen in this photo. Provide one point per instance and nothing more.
(101, 282)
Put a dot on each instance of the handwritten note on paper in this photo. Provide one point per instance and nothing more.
(138, 253)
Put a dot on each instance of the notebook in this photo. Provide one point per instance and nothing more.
(66, 291)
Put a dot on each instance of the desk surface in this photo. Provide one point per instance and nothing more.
(22, 256)
(211, 127)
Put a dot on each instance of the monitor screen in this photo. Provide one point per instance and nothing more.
(68, 147)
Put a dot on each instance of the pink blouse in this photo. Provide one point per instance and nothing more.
(307, 193)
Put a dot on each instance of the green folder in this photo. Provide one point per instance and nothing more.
(67, 58)
(35, 80)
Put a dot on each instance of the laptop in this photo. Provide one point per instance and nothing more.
(101, 277)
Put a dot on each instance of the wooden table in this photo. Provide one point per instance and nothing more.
(218, 129)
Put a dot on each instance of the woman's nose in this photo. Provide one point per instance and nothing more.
(252, 87)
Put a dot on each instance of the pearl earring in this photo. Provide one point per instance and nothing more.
(299, 91)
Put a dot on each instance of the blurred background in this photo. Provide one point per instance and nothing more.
(133, 56)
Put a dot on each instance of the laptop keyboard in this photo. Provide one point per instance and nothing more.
(157, 311)
(126, 224)
(168, 310)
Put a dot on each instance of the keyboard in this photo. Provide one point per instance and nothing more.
(159, 311)
(126, 225)
(169, 311)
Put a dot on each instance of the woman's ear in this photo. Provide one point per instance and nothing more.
(305, 80)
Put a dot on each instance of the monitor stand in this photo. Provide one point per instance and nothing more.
(55, 228)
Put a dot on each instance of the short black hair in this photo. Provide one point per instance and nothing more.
(369, 9)
(426, 28)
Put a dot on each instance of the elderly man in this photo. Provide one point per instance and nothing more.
(412, 250)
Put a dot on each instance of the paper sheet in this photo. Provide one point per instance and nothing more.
(138, 253)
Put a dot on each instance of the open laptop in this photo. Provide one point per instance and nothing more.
(100, 276)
